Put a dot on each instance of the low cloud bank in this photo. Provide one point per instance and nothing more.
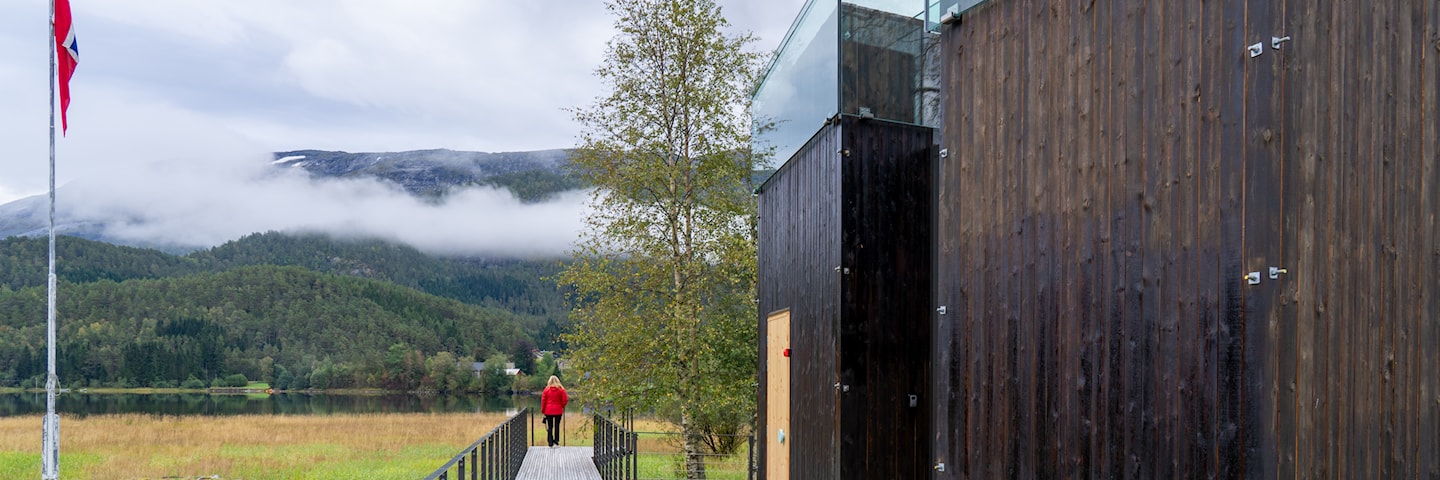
(207, 201)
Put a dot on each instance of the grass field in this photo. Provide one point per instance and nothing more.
(384, 446)
(381, 446)
(660, 451)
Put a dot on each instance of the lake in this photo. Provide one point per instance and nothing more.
(81, 404)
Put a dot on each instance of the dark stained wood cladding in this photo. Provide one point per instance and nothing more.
(799, 247)
(844, 242)
(885, 304)
(1115, 167)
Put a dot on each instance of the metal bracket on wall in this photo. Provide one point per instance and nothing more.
(944, 152)
(940, 310)
(1252, 278)
(1276, 41)
(1256, 49)
(1276, 272)
(842, 270)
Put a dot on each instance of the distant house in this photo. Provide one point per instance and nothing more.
(479, 367)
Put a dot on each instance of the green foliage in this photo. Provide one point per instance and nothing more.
(192, 383)
(493, 379)
(444, 373)
(523, 354)
(531, 186)
(519, 286)
(253, 321)
(547, 367)
(662, 280)
(544, 368)
(237, 380)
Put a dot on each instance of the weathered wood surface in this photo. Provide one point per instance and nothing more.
(545, 463)
(1116, 167)
(885, 299)
(799, 248)
(844, 239)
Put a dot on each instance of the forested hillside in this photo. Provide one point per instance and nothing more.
(323, 312)
(23, 259)
(515, 285)
(268, 322)
(518, 286)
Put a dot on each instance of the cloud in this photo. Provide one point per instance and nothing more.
(177, 104)
(169, 203)
(164, 175)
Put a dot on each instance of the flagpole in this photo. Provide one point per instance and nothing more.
(50, 452)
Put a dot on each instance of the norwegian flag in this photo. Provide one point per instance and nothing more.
(67, 55)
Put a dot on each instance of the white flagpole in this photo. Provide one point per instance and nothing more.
(50, 451)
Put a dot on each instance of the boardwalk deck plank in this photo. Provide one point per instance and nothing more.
(543, 463)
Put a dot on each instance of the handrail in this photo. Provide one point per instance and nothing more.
(615, 449)
(495, 456)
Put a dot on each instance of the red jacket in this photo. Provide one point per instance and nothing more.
(553, 400)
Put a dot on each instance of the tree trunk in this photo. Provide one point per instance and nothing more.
(694, 455)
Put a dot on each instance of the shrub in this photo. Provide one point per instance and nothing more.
(192, 383)
(236, 381)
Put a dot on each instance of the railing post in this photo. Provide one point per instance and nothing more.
(750, 457)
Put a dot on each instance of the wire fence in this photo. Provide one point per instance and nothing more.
(661, 456)
(651, 452)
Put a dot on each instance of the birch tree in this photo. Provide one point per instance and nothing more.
(662, 279)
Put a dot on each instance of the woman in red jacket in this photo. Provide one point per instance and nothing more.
(552, 405)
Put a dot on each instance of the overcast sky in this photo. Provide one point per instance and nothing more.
(187, 84)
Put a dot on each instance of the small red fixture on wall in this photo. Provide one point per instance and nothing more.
(786, 352)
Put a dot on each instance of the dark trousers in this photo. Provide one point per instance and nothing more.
(552, 430)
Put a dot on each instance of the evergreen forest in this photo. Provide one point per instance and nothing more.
(295, 311)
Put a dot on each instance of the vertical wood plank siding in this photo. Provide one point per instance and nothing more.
(845, 232)
(886, 307)
(799, 247)
(1116, 167)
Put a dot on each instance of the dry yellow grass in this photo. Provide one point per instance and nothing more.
(340, 446)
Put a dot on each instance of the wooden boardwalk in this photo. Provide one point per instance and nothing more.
(545, 463)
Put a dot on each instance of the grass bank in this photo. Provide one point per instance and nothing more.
(378, 446)
(381, 446)
(660, 450)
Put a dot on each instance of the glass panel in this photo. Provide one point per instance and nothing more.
(907, 8)
(800, 91)
(881, 61)
(868, 58)
(936, 9)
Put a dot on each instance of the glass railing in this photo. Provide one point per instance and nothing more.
(800, 91)
(868, 58)
(937, 9)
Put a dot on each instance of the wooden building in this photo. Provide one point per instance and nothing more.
(844, 246)
(846, 291)
(1166, 240)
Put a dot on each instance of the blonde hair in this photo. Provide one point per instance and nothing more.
(555, 382)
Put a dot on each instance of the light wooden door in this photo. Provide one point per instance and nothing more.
(777, 395)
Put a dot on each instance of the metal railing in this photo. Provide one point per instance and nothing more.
(495, 456)
(661, 456)
(615, 447)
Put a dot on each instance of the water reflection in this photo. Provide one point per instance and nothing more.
(82, 404)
